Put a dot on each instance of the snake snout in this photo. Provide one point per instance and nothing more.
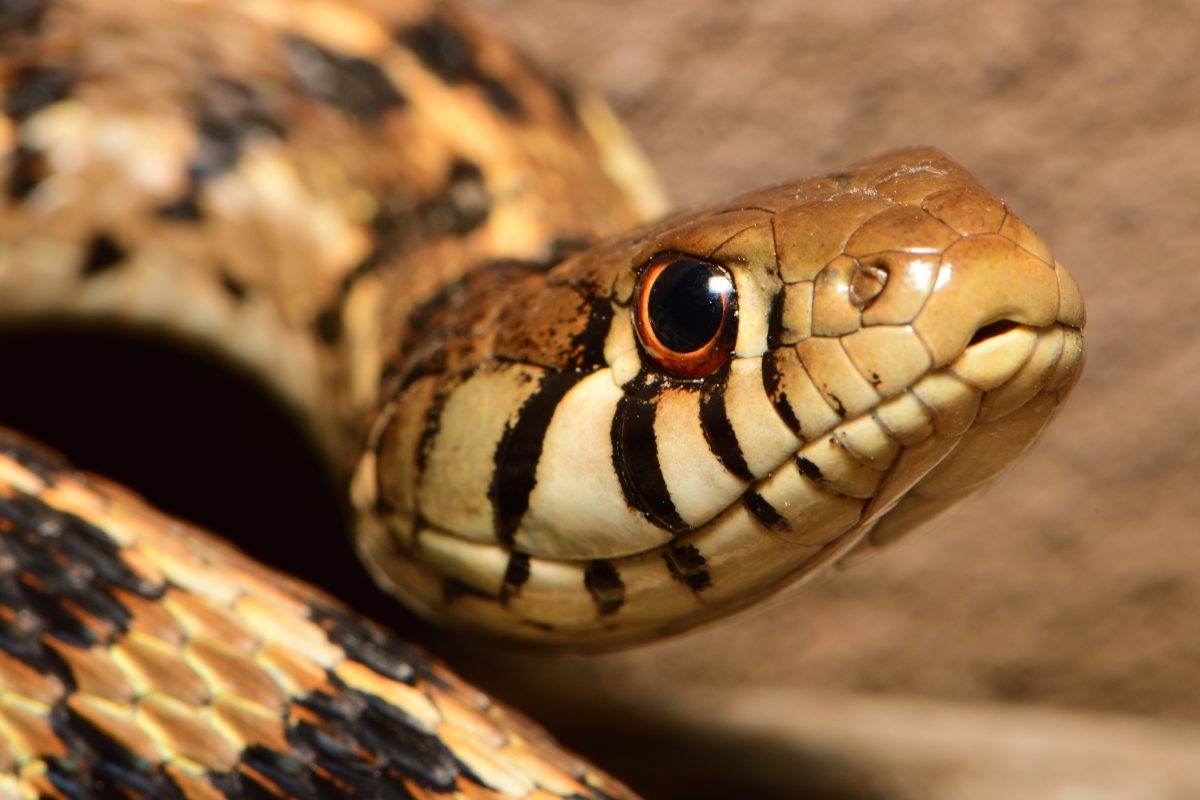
(987, 284)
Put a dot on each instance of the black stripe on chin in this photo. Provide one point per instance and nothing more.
(686, 563)
(764, 512)
(516, 574)
(718, 430)
(778, 397)
(604, 583)
(635, 458)
(519, 450)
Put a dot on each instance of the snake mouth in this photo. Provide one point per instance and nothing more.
(992, 330)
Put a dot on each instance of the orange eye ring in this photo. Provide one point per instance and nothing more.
(685, 315)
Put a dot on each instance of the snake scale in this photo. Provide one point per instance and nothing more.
(557, 423)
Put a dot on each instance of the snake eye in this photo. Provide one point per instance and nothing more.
(686, 315)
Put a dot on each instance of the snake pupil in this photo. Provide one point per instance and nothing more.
(687, 304)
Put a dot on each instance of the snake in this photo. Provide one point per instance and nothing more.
(562, 417)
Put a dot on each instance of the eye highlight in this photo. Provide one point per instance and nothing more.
(685, 314)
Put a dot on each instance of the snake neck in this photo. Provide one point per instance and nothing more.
(175, 194)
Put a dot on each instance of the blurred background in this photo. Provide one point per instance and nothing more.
(1071, 589)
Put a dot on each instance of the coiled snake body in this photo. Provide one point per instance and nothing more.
(552, 429)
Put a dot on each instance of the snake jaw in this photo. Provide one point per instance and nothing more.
(901, 338)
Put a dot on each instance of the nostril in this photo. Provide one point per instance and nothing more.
(992, 330)
(867, 282)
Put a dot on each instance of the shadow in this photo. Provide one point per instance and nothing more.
(198, 439)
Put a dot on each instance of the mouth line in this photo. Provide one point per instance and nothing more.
(992, 330)
(998, 328)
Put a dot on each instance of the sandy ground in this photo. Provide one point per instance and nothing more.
(1075, 582)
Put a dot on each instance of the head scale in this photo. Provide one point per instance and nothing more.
(662, 429)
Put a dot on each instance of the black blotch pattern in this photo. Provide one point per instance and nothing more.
(566, 101)
(446, 52)
(352, 84)
(35, 88)
(23, 16)
(111, 754)
(328, 325)
(362, 730)
(718, 430)
(636, 461)
(764, 512)
(58, 584)
(37, 458)
(379, 649)
(56, 567)
(228, 115)
(499, 96)
(441, 48)
(28, 169)
(403, 219)
(113, 781)
(288, 773)
(603, 582)
(103, 254)
(520, 449)
(38, 584)
(233, 287)
(463, 207)
(184, 209)
(688, 565)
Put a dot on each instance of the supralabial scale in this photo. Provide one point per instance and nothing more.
(557, 423)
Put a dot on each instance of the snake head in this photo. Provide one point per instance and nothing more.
(665, 428)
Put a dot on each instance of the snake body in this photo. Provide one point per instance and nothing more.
(557, 423)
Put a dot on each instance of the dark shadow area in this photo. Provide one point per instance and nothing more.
(200, 440)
